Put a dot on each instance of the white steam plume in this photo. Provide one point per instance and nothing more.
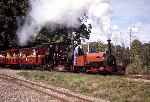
(66, 13)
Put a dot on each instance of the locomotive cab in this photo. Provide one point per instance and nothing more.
(89, 62)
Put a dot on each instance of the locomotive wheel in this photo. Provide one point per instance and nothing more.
(76, 69)
(49, 67)
(45, 67)
(72, 68)
(83, 70)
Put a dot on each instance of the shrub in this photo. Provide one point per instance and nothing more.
(136, 67)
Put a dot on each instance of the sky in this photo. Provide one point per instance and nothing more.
(127, 14)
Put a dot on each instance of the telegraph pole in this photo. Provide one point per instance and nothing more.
(130, 34)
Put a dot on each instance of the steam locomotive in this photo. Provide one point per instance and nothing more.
(97, 62)
(54, 56)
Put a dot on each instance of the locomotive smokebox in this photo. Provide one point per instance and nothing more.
(109, 47)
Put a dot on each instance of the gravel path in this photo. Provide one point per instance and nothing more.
(9, 72)
(11, 92)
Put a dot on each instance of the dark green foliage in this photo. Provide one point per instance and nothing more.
(63, 34)
(136, 57)
(122, 55)
(146, 54)
(9, 11)
(139, 58)
(136, 49)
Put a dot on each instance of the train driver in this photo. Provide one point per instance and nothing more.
(78, 51)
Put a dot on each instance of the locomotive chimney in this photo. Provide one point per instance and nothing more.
(109, 46)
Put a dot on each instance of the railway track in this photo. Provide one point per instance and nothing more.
(145, 77)
(57, 94)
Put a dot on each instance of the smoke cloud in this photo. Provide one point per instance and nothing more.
(65, 13)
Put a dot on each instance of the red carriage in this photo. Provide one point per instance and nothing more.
(48, 55)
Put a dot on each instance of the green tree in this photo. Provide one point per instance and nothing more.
(9, 12)
(146, 56)
(136, 66)
(136, 49)
(62, 34)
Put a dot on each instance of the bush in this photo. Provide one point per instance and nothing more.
(147, 69)
(132, 69)
(136, 67)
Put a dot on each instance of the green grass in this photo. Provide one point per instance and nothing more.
(113, 88)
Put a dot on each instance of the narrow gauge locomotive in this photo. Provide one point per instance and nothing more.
(97, 62)
(55, 57)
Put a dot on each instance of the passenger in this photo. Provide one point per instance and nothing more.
(8, 55)
(1, 55)
(34, 52)
(14, 55)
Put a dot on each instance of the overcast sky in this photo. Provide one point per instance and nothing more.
(127, 14)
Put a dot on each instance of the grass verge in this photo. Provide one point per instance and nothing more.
(109, 87)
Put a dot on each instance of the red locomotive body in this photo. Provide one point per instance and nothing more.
(92, 62)
(97, 62)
